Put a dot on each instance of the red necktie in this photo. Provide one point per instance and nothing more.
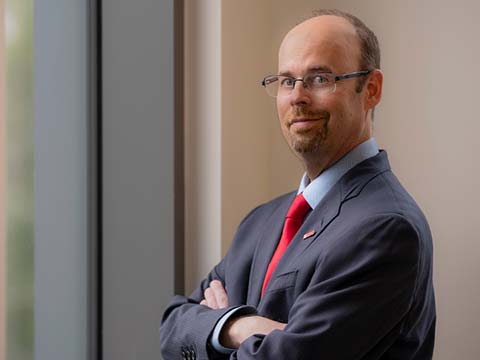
(293, 221)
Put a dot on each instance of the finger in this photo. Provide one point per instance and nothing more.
(203, 302)
(220, 294)
(211, 299)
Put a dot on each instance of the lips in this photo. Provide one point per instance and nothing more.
(299, 120)
(304, 119)
(302, 122)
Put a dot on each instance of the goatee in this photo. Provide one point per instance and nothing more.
(309, 139)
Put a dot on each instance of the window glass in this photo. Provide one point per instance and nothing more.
(17, 164)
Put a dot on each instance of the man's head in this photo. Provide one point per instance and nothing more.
(369, 47)
(325, 125)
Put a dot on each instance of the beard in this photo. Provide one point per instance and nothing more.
(310, 139)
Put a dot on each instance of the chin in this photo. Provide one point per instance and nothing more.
(303, 147)
(308, 143)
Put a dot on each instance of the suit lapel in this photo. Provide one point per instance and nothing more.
(325, 212)
(348, 187)
(265, 248)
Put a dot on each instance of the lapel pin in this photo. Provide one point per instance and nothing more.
(308, 234)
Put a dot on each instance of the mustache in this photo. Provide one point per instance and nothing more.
(301, 112)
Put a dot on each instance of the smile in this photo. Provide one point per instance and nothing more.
(303, 122)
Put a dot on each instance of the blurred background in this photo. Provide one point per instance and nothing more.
(17, 163)
(145, 132)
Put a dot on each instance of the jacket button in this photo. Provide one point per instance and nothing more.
(191, 353)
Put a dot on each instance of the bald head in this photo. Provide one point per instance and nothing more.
(317, 35)
(322, 23)
(328, 37)
(370, 48)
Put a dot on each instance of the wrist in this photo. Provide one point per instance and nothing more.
(233, 332)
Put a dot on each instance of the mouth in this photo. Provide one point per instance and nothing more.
(303, 122)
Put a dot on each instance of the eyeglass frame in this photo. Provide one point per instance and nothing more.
(335, 79)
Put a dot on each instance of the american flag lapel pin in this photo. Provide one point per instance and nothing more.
(309, 234)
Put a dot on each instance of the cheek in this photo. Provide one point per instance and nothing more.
(337, 106)
(345, 118)
(282, 108)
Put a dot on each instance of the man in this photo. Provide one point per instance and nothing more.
(341, 268)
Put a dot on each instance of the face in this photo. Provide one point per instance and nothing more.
(322, 125)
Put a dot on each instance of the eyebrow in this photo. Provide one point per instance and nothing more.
(319, 68)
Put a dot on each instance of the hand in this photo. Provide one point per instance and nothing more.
(238, 329)
(215, 296)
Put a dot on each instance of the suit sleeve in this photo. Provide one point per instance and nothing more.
(187, 326)
(360, 291)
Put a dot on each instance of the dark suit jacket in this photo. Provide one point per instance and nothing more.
(359, 288)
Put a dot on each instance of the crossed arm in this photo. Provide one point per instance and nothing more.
(359, 294)
(237, 329)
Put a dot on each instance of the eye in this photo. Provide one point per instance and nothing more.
(319, 79)
(287, 82)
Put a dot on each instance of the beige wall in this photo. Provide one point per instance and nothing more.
(203, 154)
(247, 115)
(228, 124)
(427, 121)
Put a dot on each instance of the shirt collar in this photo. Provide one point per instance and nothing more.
(314, 191)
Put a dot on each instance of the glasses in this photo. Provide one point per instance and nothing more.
(316, 82)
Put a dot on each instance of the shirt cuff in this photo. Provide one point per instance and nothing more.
(215, 339)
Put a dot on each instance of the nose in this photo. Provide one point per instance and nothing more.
(300, 94)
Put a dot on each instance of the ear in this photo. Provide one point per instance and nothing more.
(373, 89)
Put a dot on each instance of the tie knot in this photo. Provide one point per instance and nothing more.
(299, 208)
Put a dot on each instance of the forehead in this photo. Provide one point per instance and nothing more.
(329, 42)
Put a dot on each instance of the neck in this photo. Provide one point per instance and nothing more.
(316, 163)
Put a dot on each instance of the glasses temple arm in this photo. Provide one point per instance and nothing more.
(352, 75)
